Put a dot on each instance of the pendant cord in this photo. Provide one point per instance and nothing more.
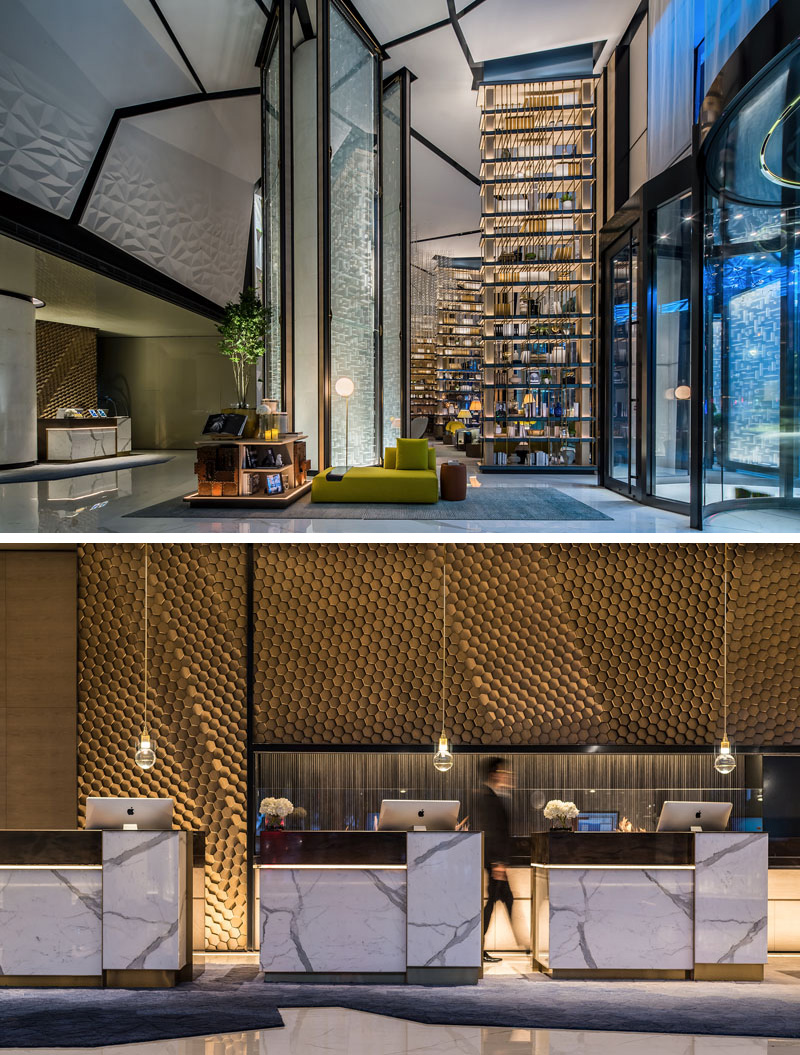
(146, 578)
(444, 624)
(725, 647)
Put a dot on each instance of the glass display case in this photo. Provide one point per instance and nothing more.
(751, 434)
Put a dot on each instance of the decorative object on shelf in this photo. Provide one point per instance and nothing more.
(345, 387)
(724, 758)
(475, 406)
(563, 813)
(443, 758)
(244, 329)
(276, 810)
(145, 756)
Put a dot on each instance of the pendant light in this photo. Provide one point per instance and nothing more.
(145, 755)
(724, 758)
(443, 759)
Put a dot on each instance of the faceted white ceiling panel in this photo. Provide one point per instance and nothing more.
(389, 19)
(59, 86)
(498, 28)
(443, 104)
(224, 133)
(443, 202)
(174, 211)
(220, 39)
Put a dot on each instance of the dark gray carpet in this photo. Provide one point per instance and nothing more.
(482, 503)
(61, 471)
(226, 1000)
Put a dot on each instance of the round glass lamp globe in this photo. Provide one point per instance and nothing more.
(724, 760)
(345, 386)
(145, 756)
(683, 392)
(443, 759)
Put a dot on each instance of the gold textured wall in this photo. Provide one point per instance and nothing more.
(546, 645)
(66, 367)
(198, 699)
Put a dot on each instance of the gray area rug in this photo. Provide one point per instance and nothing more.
(482, 503)
(63, 471)
(225, 1000)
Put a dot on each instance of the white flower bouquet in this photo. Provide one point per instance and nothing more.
(563, 813)
(275, 810)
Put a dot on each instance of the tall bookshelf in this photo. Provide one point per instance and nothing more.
(460, 330)
(538, 253)
(424, 331)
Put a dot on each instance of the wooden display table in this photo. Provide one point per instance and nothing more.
(231, 472)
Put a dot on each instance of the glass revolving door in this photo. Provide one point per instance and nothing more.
(751, 432)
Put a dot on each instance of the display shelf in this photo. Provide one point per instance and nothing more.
(224, 478)
(538, 249)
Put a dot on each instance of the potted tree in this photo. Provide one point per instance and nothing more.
(243, 330)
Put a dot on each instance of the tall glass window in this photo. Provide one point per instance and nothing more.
(622, 379)
(353, 243)
(670, 345)
(392, 262)
(752, 270)
(271, 219)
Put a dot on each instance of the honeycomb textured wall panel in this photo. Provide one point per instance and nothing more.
(347, 643)
(197, 699)
(66, 367)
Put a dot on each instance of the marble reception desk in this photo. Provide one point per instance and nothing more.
(95, 908)
(651, 904)
(78, 439)
(371, 906)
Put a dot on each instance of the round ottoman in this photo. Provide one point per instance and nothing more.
(454, 482)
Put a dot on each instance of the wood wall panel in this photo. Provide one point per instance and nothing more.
(197, 699)
(40, 700)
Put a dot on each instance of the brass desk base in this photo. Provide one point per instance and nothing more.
(729, 972)
(411, 976)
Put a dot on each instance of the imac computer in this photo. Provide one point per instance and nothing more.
(694, 816)
(408, 815)
(143, 814)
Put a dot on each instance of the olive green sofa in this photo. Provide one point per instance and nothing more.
(380, 483)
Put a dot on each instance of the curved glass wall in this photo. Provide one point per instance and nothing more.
(751, 260)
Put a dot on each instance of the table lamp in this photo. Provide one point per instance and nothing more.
(475, 406)
(345, 387)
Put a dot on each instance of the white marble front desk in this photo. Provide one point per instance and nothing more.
(668, 905)
(384, 906)
(95, 908)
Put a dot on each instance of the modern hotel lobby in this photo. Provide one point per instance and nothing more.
(379, 267)
(395, 798)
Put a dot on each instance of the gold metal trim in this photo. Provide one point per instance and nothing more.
(729, 972)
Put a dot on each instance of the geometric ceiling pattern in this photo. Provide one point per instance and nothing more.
(66, 66)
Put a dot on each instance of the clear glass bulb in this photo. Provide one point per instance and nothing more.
(724, 758)
(145, 755)
(443, 759)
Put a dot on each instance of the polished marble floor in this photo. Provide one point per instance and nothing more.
(98, 504)
(336, 1031)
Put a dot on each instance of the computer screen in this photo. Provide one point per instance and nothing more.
(598, 822)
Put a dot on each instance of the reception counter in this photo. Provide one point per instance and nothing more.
(391, 907)
(654, 904)
(92, 908)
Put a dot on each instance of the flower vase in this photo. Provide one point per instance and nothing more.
(274, 824)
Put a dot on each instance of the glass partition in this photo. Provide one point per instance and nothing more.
(353, 230)
(271, 221)
(751, 264)
(393, 231)
(670, 350)
(342, 790)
